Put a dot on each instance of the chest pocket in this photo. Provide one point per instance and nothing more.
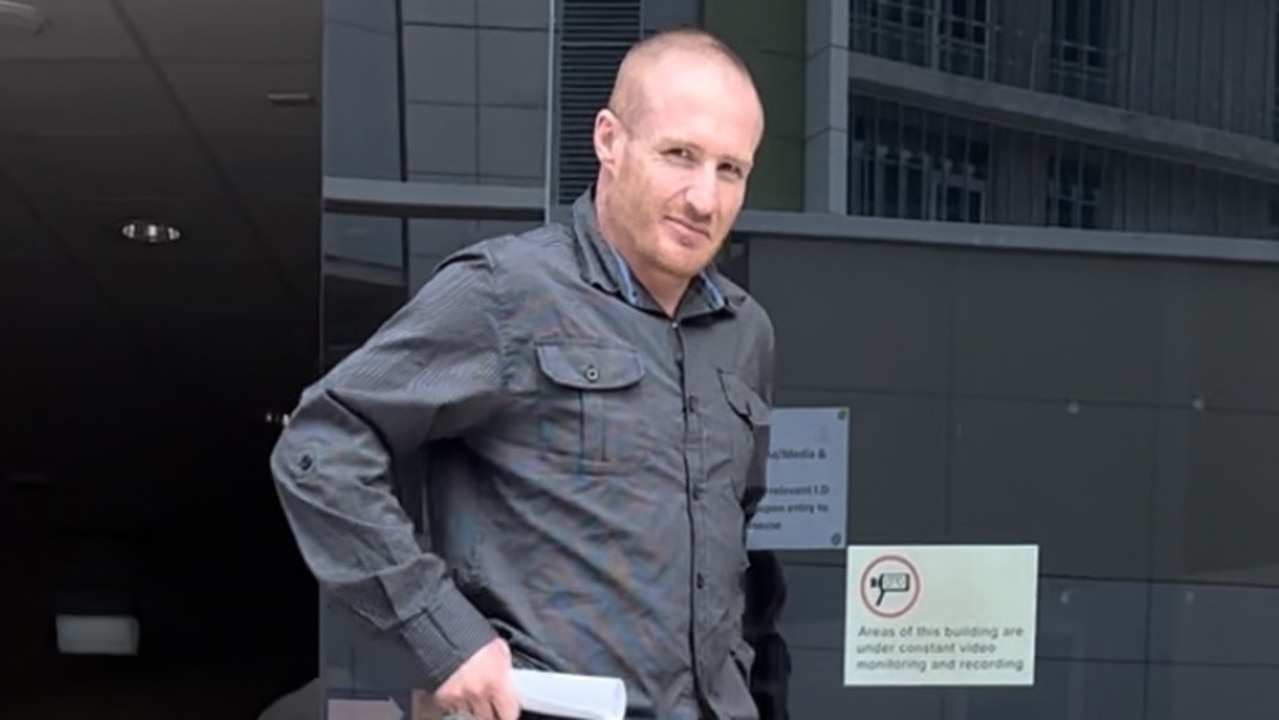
(591, 419)
(750, 418)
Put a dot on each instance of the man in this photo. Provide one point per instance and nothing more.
(595, 401)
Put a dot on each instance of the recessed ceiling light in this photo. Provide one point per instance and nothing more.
(291, 99)
(149, 232)
(21, 19)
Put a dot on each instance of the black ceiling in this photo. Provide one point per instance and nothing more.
(150, 365)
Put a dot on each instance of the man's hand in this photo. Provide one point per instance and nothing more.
(482, 687)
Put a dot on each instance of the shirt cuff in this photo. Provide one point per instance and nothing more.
(447, 635)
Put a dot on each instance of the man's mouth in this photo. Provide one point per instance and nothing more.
(690, 228)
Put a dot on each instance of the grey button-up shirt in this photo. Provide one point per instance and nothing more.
(593, 464)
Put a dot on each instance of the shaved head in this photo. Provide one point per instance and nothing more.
(644, 61)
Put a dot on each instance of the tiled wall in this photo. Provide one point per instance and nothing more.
(1118, 412)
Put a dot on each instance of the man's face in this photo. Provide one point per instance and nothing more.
(679, 164)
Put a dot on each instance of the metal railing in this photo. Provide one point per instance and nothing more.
(1161, 65)
(979, 47)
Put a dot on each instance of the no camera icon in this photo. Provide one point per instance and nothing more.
(890, 582)
(890, 586)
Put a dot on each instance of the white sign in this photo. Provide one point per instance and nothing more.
(941, 615)
(806, 506)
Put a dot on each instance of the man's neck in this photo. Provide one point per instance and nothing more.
(666, 291)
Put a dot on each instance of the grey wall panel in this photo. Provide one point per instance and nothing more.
(859, 317)
(512, 67)
(814, 619)
(1079, 483)
(816, 682)
(522, 14)
(1092, 619)
(1230, 626)
(511, 145)
(363, 239)
(1221, 338)
(440, 12)
(1063, 689)
(440, 64)
(376, 15)
(897, 464)
(662, 14)
(1217, 469)
(443, 139)
(475, 76)
(1192, 692)
(437, 237)
(1053, 328)
(361, 124)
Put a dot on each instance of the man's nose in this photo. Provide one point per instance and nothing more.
(702, 193)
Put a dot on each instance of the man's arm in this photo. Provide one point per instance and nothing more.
(756, 475)
(434, 369)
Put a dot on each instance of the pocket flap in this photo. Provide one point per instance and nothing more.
(590, 367)
(743, 399)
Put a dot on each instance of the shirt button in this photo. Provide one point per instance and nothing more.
(697, 493)
(701, 581)
(591, 373)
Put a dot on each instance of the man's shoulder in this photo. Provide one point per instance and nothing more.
(525, 254)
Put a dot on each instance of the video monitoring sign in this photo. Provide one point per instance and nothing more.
(941, 615)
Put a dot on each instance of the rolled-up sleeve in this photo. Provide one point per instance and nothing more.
(433, 370)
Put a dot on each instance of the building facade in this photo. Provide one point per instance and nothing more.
(1096, 114)
(1030, 244)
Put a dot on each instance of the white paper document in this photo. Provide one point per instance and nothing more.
(573, 697)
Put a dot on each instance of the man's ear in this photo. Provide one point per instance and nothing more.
(607, 137)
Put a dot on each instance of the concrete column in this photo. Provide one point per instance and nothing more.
(826, 107)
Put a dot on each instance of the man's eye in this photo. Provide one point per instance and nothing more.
(680, 153)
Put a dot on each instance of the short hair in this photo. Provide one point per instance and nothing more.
(682, 37)
(689, 37)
